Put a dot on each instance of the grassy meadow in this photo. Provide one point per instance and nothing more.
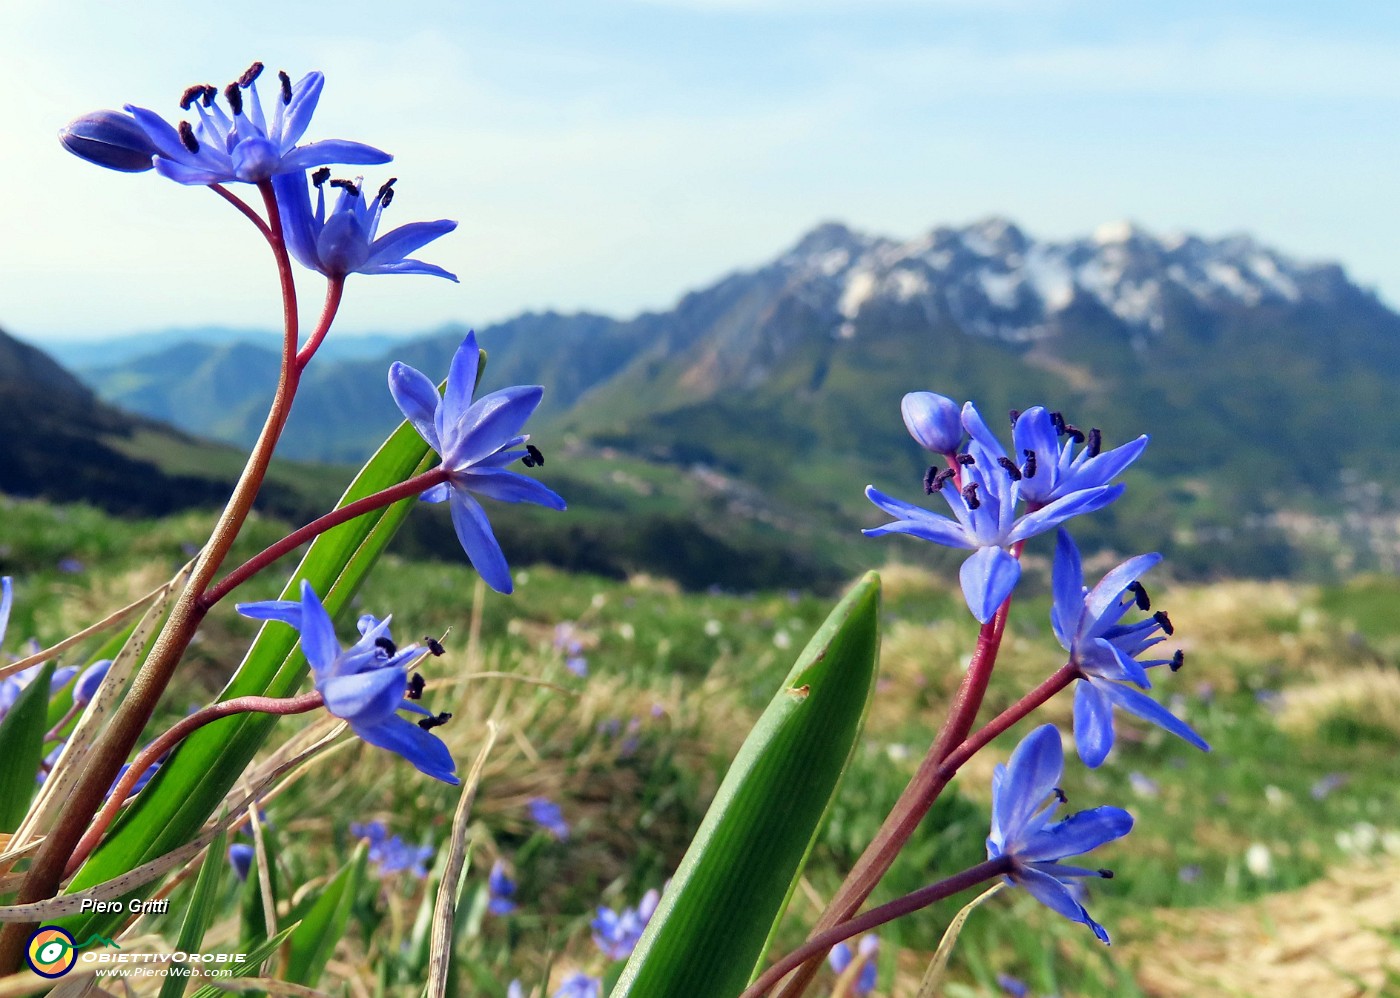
(1270, 866)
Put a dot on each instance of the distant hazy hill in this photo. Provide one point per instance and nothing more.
(1267, 384)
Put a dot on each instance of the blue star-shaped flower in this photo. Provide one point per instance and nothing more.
(1086, 622)
(580, 986)
(841, 956)
(616, 934)
(501, 890)
(245, 145)
(364, 684)
(1025, 797)
(476, 440)
(347, 241)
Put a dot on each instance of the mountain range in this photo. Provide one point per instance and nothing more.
(758, 407)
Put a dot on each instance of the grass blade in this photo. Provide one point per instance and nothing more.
(323, 923)
(203, 903)
(22, 749)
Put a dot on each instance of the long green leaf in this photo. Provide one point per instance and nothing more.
(203, 905)
(22, 748)
(323, 923)
(713, 922)
(248, 966)
(187, 789)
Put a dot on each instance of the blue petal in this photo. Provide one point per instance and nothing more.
(398, 243)
(1093, 724)
(190, 175)
(1056, 896)
(161, 133)
(1062, 509)
(987, 579)
(422, 748)
(440, 492)
(417, 398)
(1035, 431)
(978, 431)
(461, 379)
(510, 486)
(1067, 582)
(1082, 832)
(917, 522)
(479, 542)
(294, 204)
(488, 424)
(1031, 774)
(296, 115)
(1105, 595)
(409, 267)
(1143, 706)
(7, 598)
(1103, 468)
(318, 641)
(285, 610)
(933, 421)
(366, 697)
(332, 151)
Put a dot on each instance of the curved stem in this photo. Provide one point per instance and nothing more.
(979, 740)
(151, 754)
(815, 947)
(411, 487)
(244, 207)
(335, 287)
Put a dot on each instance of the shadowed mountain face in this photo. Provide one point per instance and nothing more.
(1267, 384)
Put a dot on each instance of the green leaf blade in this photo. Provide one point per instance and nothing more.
(22, 748)
(203, 906)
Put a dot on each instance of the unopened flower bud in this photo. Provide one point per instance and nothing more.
(110, 139)
(933, 421)
(240, 857)
(89, 681)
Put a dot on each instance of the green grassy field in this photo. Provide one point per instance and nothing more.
(1239, 862)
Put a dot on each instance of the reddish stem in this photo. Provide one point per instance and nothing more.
(152, 753)
(244, 207)
(259, 561)
(815, 947)
(335, 287)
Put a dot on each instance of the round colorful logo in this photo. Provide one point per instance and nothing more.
(51, 952)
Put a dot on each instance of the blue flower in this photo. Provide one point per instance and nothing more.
(933, 421)
(501, 889)
(1106, 653)
(240, 857)
(391, 853)
(841, 956)
(616, 934)
(347, 241)
(246, 145)
(476, 440)
(1049, 469)
(366, 683)
(548, 816)
(986, 523)
(86, 686)
(1025, 796)
(110, 139)
(580, 986)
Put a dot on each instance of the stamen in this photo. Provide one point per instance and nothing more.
(187, 136)
(434, 646)
(188, 97)
(533, 452)
(1095, 443)
(1028, 469)
(969, 494)
(416, 685)
(234, 96)
(1015, 415)
(250, 74)
(286, 82)
(1075, 433)
(934, 480)
(386, 645)
(966, 459)
(348, 186)
(429, 723)
(1057, 420)
(1178, 660)
(1166, 622)
(386, 191)
(320, 176)
(1106, 874)
(1010, 467)
(1060, 795)
(210, 92)
(1140, 597)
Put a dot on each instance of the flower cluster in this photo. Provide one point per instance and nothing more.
(841, 957)
(392, 854)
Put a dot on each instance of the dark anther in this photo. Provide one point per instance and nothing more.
(1106, 874)
(1178, 660)
(429, 723)
(1095, 443)
(386, 191)
(191, 93)
(250, 74)
(1010, 467)
(1015, 415)
(1028, 469)
(1060, 795)
(416, 685)
(966, 459)
(935, 479)
(386, 646)
(1161, 617)
(1075, 433)
(1057, 420)
(320, 176)
(286, 82)
(187, 136)
(969, 494)
(1140, 596)
(210, 92)
(348, 186)
(234, 96)
(435, 646)
(535, 455)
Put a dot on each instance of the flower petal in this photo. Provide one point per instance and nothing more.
(365, 697)
(1062, 509)
(328, 151)
(422, 748)
(417, 398)
(987, 579)
(296, 114)
(396, 244)
(1067, 583)
(917, 522)
(318, 641)
(1056, 896)
(409, 267)
(1143, 706)
(977, 429)
(510, 486)
(479, 542)
(294, 205)
(1034, 769)
(1081, 832)
(461, 377)
(285, 610)
(1093, 724)
(1112, 586)
(488, 424)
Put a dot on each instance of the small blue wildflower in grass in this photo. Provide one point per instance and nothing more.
(933, 420)
(476, 440)
(1086, 623)
(1025, 796)
(1323, 788)
(580, 986)
(1050, 469)
(366, 684)
(616, 933)
(242, 144)
(1189, 874)
(515, 990)
(70, 566)
(1012, 987)
(347, 241)
(548, 816)
(389, 852)
(141, 781)
(240, 857)
(12, 686)
(374, 831)
(501, 889)
(841, 956)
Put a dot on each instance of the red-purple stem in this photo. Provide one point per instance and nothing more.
(242, 206)
(817, 945)
(335, 287)
(151, 754)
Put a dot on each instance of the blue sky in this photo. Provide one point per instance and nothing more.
(612, 154)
